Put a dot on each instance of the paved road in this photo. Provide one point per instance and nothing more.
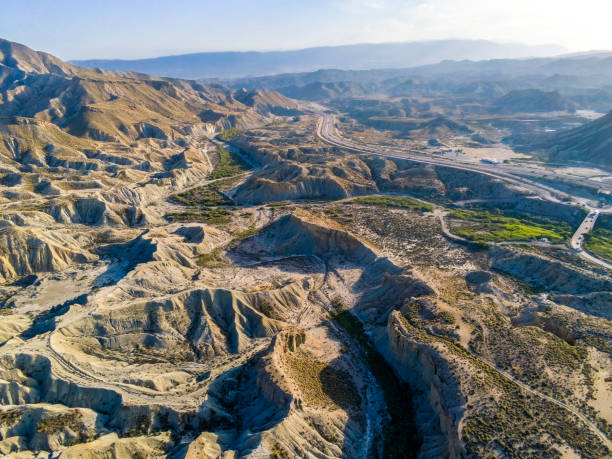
(326, 131)
(526, 175)
(585, 227)
(577, 241)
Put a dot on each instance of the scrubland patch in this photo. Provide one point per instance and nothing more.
(321, 384)
(229, 164)
(489, 226)
(402, 202)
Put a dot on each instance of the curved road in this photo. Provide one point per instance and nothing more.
(577, 241)
(327, 132)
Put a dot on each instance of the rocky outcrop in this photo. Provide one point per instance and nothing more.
(271, 379)
(542, 273)
(26, 251)
(436, 127)
(88, 211)
(392, 291)
(533, 101)
(284, 180)
(45, 427)
(596, 303)
(112, 447)
(404, 176)
(302, 233)
(463, 185)
(193, 325)
(588, 143)
(95, 211)
(439, 404)
(49, 413)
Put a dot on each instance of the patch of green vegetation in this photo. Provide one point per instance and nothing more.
(276, 122)
(201, 196)
(321, 384)
(211, 259)
(278, 204)
(599, 243)
(212, 216)
(559, 353)
(401, 437)
(445, 317)
(402, 202)
(496, 227)
(338, 304)
(278, 451)
(229, 165)
(228, 134)
(140, 426)
(204, 202)
(240, 235)
(59, 422)
(10, 417)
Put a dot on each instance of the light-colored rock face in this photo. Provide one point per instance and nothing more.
(157, 343)
(26, 251)
(141, 336)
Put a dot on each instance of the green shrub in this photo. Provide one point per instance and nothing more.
(213, 216)
(202, 196)
(599, 243)
(209, 259)
(229, 165)
(228, 134)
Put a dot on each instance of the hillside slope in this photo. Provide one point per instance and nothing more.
(120, 107)
(591, 143)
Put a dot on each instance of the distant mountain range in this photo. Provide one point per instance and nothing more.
(361, 56)
(564, 82)
(562, 69)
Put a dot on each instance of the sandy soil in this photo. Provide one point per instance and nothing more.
(498, 153)
(603, 384)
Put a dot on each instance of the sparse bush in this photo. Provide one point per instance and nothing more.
(402, 202)
(278, 451)
(228, 134)
(209, 260)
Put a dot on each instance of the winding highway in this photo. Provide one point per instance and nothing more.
(327, 132)
(577, 241)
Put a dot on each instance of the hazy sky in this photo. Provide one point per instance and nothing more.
(75, 29)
